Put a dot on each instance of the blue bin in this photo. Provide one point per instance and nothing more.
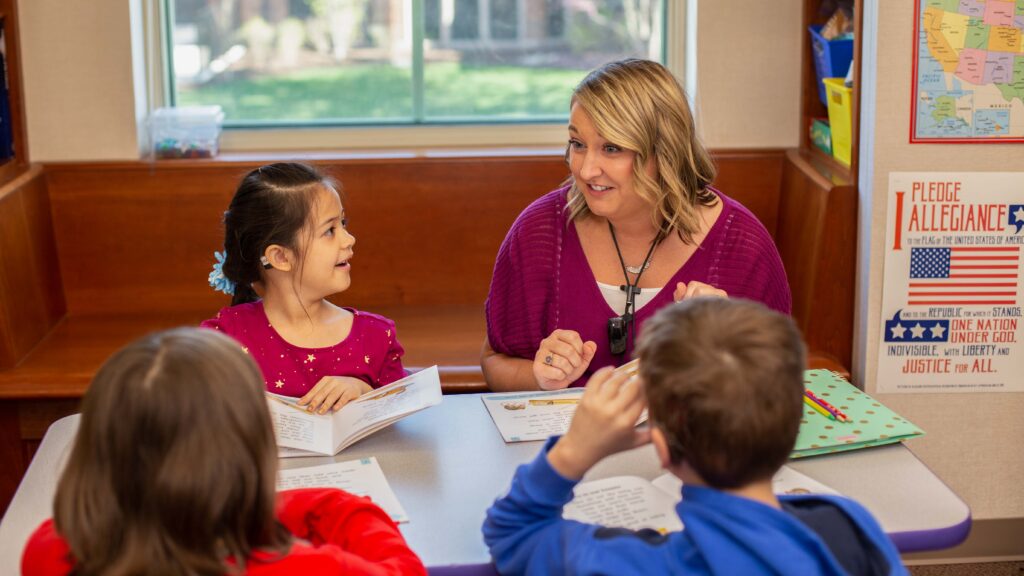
(831, 59)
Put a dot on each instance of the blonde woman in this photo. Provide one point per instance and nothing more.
(637, 226)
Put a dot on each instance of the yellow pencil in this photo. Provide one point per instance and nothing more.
(554, 401)
(818, 408)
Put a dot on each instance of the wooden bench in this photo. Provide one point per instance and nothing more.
(94, 255)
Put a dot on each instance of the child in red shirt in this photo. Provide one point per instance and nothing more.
(173, 471)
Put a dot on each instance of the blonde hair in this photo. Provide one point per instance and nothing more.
(639, 106)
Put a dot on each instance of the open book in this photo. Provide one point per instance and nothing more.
(301, 433)
(525, 416)
(635, 503)
(361, 477)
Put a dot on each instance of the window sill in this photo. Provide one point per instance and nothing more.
(387, 139)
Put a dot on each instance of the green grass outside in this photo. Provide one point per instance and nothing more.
(367, 91)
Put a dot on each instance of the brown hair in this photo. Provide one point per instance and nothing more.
(174, 466)
(724, 382)
(639, 106)
(271, 205)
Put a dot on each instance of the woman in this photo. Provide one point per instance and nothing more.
(637, 226)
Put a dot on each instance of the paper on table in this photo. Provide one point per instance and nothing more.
(361, 477)
(785, 481)
(789, 481)
(525, 416)
(624, 502)
(634, 503)
(328, 434)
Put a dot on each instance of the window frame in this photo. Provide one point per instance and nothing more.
(419, 133)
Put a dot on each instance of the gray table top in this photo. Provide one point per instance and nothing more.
(448, 463)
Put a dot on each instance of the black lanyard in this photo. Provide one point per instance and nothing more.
(620, 328)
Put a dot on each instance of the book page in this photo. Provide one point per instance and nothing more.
(295, 427)
(623, 502)
(785, 481)
(361, 477)
(383, 406)
(327, 434)
(525, 416)
(789, 481)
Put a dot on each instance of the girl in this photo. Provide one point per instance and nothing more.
(285, 240)
(173, 472)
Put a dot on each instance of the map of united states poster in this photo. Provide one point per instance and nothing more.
(968, 71)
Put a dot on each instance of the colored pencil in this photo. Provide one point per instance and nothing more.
(817, 408)
(839, 415)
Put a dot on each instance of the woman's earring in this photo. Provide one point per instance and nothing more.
(266, 263)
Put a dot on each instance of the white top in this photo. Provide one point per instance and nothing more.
(616, 297)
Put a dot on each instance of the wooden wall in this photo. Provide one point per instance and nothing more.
(139, 237)
(31, 296)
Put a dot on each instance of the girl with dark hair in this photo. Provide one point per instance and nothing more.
(286, 249)
(173, 472)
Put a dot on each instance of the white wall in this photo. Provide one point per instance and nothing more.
(77, 71)
(748, 62)
(974, 442)
(80, 100)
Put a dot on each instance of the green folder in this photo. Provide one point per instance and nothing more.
(871, 423)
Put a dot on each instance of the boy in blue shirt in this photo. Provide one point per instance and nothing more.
(723, 380)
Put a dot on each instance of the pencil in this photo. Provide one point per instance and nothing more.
(840, 416)
(554, 401)
(817, 408)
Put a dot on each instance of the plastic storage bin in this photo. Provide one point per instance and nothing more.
(840, 118)
(831, 58)
(186, 132)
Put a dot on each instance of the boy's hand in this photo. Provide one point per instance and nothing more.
(693, 288)
(561, 359)
(604, 423)
(333, 392)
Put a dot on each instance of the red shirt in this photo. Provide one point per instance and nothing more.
(347, 534)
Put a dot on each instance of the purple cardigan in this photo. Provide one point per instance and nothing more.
(542, 281)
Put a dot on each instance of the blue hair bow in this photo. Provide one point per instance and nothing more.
(217, 279)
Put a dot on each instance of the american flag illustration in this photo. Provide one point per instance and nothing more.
(964, 276)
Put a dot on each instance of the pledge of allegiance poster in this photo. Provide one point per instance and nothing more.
(951, 304)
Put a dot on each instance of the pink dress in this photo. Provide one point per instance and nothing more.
(371, 351)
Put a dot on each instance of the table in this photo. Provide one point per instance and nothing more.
(448, 463)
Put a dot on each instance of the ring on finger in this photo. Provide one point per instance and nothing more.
(549, 359)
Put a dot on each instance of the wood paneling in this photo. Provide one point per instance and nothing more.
(15, 92)
(817, 239)
(12, 453)
(31, 298)
(140, 237)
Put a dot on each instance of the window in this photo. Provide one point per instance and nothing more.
(398, 62)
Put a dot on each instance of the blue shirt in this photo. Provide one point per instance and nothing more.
(723, 534)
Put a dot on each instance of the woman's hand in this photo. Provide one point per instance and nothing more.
(693, 288)
(561, 359)
(333, 392)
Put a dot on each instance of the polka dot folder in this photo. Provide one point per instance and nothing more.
(869, 422)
